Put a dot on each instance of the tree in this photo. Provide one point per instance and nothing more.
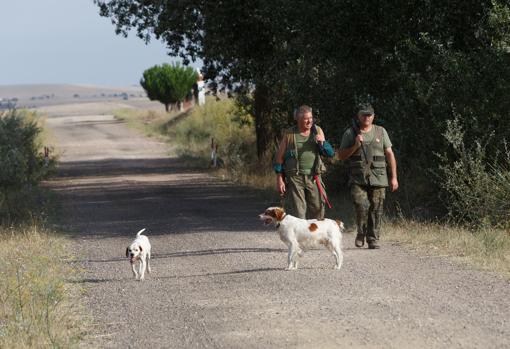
(417, 61)
(242, 44)
(168, 84)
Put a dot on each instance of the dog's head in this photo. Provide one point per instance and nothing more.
(272, 215)
(133, 252)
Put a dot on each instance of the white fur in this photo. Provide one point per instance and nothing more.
(140, 250)
(297, 234)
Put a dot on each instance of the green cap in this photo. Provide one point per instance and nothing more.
(365, 109)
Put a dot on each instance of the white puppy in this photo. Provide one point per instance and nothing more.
(140, 250)
(301, 234)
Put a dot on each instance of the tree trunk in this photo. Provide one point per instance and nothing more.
(263, 124)
(167, 107)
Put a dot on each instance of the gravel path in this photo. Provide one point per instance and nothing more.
(218, 276)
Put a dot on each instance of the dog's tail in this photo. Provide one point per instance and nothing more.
(140, 232)
(340, 224)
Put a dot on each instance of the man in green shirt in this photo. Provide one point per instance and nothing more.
(298, 162)
(367, 148)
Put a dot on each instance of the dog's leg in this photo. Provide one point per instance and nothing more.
(296, 260)
(293, 252)
(149, 261)
(133, 267)
(142, 268)
(337, 252)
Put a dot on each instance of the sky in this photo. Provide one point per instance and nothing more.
(66, 41)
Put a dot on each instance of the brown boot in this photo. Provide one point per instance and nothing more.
(360, 240)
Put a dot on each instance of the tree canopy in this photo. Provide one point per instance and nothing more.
(168, 84)
(419, 62)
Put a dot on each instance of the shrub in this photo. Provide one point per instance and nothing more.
(23, 166)
(475, 188)
(229, 126)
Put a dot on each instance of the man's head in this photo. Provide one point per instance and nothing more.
(365, 114)
(304, 117)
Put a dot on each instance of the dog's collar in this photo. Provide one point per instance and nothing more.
(278, 225)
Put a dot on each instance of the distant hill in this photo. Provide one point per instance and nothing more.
(32, 96)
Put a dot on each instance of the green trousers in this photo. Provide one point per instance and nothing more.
(368, 204)
(302, 197)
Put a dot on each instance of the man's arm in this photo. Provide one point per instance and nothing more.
(347, 152)
(325, 149)
(280, 183)
(390, 157)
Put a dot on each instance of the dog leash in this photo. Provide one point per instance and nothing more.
(321, 190)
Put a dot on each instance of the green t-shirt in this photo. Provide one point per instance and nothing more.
(368, 137)
(307, 150)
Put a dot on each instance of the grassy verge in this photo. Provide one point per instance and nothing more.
(485, 249)
(149, 122)
(37, 308)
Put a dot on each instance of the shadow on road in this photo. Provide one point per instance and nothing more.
(246, 271)
(113, 197)
(217, 251)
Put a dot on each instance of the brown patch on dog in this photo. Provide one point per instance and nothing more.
(313, 227)
(278, 214)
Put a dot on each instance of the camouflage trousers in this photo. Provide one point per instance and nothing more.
(368, 203)
(302, 197)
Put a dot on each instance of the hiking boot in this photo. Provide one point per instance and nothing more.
(360, 240)
(373, 245)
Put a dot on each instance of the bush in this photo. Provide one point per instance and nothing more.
(229, 126)
(23, 166)
(475, 187)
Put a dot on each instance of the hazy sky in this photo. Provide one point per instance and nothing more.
(66, 41)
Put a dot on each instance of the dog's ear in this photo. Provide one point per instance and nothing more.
(279, 213)
(127, 251)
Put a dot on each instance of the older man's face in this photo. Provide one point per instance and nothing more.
(305, 121)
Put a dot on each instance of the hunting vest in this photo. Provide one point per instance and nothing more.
(372, 169)
(290, 159)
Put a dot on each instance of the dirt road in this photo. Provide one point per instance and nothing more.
(218, 276)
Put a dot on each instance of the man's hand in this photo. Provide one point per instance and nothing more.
(358, 140)
(280, 184)
(390, 157)
(393, 184)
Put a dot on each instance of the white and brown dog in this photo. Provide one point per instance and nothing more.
(301, 234)
(140, 250)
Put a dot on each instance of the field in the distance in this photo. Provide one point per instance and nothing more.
(44, 95)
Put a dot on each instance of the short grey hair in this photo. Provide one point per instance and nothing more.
(302, 110)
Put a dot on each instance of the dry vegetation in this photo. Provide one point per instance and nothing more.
(486, 249)
(37, 309)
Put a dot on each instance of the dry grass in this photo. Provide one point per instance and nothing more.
(36, 302)
(487, 249)
(149, 122)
